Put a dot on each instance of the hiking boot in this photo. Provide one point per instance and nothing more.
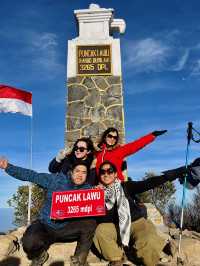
(78, 261)
(39, 261)
(74, 261)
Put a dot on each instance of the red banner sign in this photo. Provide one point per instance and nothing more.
(77, 203)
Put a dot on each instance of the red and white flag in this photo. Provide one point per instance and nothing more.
(15, 101)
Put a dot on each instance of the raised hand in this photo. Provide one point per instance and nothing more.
(61, 155)
(3, 163)
(159, 132)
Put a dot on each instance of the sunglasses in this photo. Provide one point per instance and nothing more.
(106, 171)
(81, 149)
(110, 136)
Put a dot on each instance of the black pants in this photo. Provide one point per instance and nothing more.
(39, 236)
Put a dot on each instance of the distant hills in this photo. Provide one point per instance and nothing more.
(6, 219)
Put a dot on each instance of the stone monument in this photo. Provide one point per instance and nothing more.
(94, 77)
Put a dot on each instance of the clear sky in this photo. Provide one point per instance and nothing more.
(161, 78)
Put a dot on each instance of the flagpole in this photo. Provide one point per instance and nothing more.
(31, 164)
(19, 101)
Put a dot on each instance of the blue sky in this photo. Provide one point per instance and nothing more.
(161, 78)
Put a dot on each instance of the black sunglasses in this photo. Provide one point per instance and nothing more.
(110, 136)
(81, 149)
(108, 171)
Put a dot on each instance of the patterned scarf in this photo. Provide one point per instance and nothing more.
(115, 193)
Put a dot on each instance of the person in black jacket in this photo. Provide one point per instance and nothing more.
(83, 150)
(124, 225)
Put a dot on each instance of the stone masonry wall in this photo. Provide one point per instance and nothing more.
(94, 103)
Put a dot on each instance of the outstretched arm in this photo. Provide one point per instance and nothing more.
(135, 187)
(193, 172)
(23, 174)
(133, 147)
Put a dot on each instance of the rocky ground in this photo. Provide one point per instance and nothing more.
(60, 253)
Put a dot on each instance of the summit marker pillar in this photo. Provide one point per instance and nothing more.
(94, 77)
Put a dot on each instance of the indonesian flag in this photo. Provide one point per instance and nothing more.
(15, 101)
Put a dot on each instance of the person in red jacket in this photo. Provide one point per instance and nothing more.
(111, 151)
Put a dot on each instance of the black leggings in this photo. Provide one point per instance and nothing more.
(39, 236)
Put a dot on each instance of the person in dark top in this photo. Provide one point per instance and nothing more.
(45, 231)
(83, 150)
(124, 224)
